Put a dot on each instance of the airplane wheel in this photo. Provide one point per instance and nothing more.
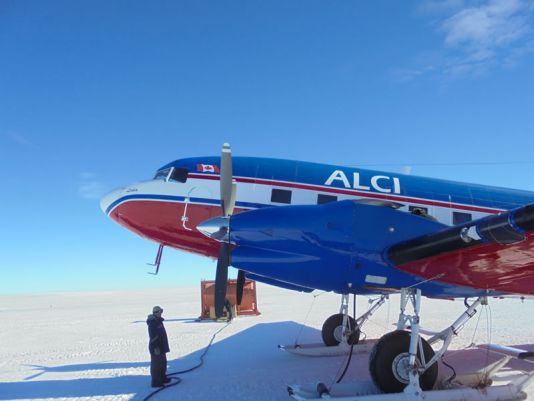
(389, 361)
(333, 330)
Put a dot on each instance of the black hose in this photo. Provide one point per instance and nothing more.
(203, 354)
(177, 381)
(352, 344)
(346, 366)
(453, 376)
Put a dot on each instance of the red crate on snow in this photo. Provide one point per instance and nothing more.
(249, 303)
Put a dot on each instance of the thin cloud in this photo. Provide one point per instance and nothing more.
(512, 59)
(409, 74)
(480, 29)
(476, 38)
(17, 138)
(90, 188)
(87, 176)
(439, 7)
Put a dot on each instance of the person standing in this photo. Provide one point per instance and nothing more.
(158, 347)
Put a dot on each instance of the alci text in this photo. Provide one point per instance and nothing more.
(380, 183)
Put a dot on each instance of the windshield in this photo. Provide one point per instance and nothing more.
(179, 174)
(162, 174)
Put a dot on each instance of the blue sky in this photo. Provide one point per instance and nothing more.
(94, 95)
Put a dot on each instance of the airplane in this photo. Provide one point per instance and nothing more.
(306, 226)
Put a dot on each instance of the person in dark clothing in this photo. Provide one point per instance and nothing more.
(158, 347)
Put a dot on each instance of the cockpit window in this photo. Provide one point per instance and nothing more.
(179, 174)
(162, 174)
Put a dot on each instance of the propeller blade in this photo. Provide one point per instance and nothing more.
(239, 286)
(221, 278)
(227, 200)
(233, 196)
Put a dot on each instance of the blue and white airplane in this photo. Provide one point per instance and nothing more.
(306, 226)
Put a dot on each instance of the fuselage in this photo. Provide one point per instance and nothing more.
(185, 193)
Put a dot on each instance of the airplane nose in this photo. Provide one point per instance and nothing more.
(108, 200)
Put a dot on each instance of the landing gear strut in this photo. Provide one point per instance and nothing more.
(402, 360)
(342, 328)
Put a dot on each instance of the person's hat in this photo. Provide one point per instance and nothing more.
(157, 309)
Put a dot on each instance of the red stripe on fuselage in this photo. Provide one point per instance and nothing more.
(319, 188)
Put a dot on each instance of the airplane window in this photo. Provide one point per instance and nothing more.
(162, 174)
(418, 210)
(322, 198)
(179, 174)
(459, 217)
(281, 196)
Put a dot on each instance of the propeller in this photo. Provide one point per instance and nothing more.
(228, 196)
(218, 229)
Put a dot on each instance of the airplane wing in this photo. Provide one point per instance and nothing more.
(494, 253)
(314, 246)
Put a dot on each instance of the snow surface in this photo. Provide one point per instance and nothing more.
(93, 346)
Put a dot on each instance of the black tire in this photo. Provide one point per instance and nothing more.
(387, 372)
(332, 330)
